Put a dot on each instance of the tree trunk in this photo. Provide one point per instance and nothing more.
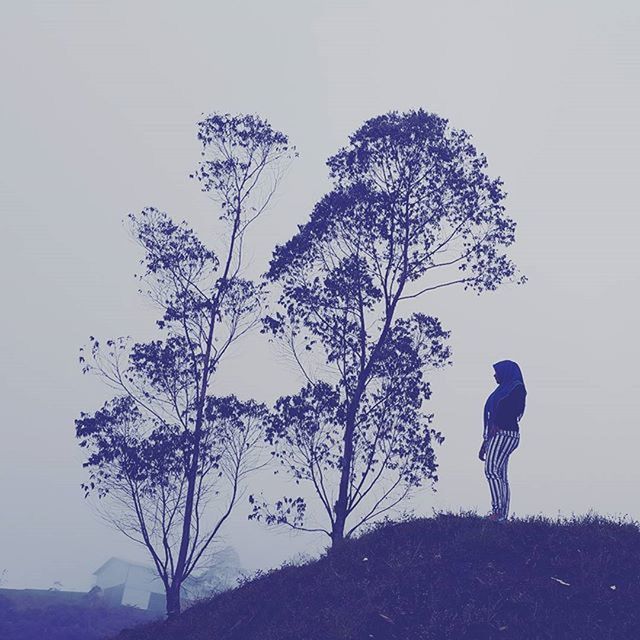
(201, 399)
(173, 601)
(341, 506)
(337, 531)
(338, 538)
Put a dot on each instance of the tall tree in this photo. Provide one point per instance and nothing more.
(166, 457)
(411, 210)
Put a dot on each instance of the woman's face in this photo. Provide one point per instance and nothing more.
(495, 376)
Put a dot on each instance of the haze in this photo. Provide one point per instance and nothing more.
(98, 114)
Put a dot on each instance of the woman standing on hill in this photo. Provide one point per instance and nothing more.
(502, 412)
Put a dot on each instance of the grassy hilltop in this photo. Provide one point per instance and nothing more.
(456, 577)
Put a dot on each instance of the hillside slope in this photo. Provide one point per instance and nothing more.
(449, 577)
(40, 614)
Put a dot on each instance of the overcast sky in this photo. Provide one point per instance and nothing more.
(97, 115)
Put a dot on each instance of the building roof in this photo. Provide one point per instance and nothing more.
(125, 562)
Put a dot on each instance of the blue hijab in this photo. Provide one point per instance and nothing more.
(509, 377)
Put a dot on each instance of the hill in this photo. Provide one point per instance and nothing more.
(457, 577)
(21, 599)
(30, 614)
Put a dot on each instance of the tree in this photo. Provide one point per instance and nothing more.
(411, 210)
(164, 449)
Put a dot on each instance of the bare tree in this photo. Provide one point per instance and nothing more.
(166, 458)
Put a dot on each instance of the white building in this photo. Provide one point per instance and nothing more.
(129, 583)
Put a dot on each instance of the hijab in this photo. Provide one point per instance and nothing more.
(509, 377)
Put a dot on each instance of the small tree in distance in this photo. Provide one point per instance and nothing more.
(412, 210)
(166, 457)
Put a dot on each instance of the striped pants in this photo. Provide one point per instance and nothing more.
(499, 448)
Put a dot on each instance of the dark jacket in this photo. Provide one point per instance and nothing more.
(508, 410)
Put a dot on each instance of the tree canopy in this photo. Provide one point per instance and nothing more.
(165, 455)
(412, 209)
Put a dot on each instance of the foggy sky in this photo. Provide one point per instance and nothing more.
(97, 114)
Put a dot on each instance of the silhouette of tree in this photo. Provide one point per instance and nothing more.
(167, 458)
(411, 210)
